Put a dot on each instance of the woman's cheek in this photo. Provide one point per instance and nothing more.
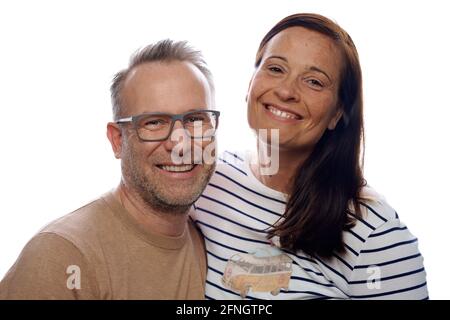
(251, 110)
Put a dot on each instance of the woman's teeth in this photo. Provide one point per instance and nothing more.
(181, 168)
(282, 114)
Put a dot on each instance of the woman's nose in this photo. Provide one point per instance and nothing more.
(288, 91)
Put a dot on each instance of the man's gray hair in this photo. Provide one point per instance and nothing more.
(162, 51)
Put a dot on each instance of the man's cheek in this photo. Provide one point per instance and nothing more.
(209, 153)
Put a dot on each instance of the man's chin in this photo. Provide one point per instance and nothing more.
(177, 198)
(178, 192)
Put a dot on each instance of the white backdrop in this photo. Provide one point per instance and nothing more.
(57, 59)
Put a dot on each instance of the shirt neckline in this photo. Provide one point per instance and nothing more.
(155, 239)
(257, 184)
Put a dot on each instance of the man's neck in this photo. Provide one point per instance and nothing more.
(167, 224)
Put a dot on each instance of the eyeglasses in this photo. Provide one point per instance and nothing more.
(157, 126)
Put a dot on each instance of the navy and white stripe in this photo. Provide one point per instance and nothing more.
(382, 260)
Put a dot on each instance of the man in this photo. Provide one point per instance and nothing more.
(136, 242)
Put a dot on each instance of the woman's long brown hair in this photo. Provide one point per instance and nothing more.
(328, 184)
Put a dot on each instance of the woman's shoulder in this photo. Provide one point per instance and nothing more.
(378, 233)
(384, 252)
(376, 215)
(375, 208)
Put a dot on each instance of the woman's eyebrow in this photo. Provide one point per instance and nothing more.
(314, 68)
(310, 68)
(278, 57)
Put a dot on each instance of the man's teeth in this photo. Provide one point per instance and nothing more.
(182, 168)
(282, 114)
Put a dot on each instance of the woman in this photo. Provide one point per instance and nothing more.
(313, 229)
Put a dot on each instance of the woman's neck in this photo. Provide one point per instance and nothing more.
(278, 177)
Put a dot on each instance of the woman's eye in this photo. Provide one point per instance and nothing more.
(315, 83)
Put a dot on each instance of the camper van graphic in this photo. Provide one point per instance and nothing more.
(264, 270)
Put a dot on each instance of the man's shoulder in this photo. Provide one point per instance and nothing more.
(42, 271)
(84, 224)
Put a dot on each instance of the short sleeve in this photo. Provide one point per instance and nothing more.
(49, 267)
(389, 265)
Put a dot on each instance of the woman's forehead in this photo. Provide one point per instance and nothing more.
(301, 45)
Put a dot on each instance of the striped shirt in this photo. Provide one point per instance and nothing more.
(382, 260)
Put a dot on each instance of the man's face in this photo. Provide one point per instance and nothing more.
(148, 168)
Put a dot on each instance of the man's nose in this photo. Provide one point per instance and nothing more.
(178, 137)
(288, 90)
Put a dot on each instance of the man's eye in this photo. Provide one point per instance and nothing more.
(197, 121)
(154, 123)
(194, 119)
(275, 69)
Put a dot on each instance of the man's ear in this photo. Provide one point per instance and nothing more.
(334, 121)
(114, 134)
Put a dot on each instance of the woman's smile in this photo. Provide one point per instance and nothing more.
(282, 114)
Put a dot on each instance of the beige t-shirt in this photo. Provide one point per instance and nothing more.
(100, 252)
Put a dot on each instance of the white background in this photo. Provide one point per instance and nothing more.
(57, 59)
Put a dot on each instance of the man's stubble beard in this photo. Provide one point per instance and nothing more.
(153, 194)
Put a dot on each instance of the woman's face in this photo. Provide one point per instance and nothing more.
(294, 89)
